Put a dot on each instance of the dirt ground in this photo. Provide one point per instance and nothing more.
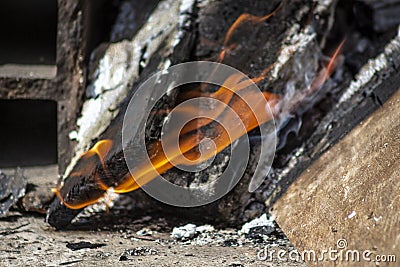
(120, 237)
(28, 240)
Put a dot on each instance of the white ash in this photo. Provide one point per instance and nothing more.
(188, 231)
(295, 42)
(263, 220)
(204, 235)
(298, 47)
(372, 68)
(300, 76)
(351, 215)
(184, 232)
(73, 135)
(191, 234)
(377, 219)
(323, 5)
(185, 10)
(144, 232)
(205, 228)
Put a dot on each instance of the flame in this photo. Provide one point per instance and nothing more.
(245, 17)
(98, 152)
(194, 132)
(100, 149)
(325, 73)
(188, 143)
(332, 63)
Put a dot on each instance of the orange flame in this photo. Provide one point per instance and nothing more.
(188, 143)
(324, 74)
(193, 132)
(245, 17)
(100, 149)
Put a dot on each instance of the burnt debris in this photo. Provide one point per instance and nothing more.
(84, 244)
(12, 188)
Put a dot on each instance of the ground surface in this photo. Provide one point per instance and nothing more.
(122, 237)
(27, 240)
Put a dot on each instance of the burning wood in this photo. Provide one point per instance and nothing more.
(190, 136)
(103, 167)
(229, 101)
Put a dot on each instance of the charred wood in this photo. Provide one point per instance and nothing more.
(373, 85)
(12, 188)
(155, 46)
(379, 16)
(292, 50)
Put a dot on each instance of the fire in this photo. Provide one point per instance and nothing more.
(245, 17)
(194, 132)
(324, 74)
(188, 145)
(90, 159)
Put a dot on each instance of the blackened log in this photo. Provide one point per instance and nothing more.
(157, 45)
(273, 42)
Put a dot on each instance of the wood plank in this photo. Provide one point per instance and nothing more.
(351, 192)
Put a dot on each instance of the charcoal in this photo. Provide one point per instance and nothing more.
(260, 233)
(230, 243)
(123, 258)
(378, 15)
(84, 244)
(12, 188)
(141, 251)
